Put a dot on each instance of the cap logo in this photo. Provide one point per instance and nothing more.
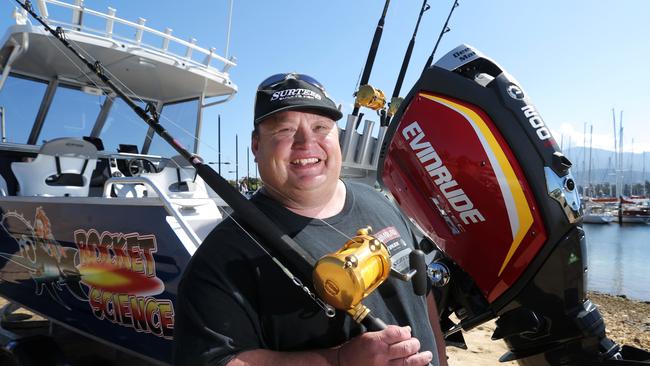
(295, 93)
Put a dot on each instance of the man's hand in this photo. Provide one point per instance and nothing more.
(392, 346)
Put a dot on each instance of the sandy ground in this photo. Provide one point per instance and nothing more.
(628, 322)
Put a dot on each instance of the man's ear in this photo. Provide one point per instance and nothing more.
(255, 145)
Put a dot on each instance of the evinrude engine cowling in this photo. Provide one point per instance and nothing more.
(469, 159)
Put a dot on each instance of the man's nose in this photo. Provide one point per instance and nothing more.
(304, 135)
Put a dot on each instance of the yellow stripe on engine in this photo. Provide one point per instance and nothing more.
(523, 212)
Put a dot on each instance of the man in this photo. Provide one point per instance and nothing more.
(236, 306)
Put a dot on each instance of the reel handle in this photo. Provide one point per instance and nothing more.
(419, 280)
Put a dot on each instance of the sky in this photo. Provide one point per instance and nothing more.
(577, 60)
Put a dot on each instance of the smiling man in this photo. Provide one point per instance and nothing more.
(236, 306)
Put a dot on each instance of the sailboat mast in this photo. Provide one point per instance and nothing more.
(632, 169)
(643, 181)
(619, 178)
(589, 189)
(615, 152)
(584, 146)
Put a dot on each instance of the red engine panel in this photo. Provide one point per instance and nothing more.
(450, 170)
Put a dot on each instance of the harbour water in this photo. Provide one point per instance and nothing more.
(619, 259)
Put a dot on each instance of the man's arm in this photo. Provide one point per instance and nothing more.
(391, 346)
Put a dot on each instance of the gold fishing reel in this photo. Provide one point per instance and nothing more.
(369, 97)
(343, 279)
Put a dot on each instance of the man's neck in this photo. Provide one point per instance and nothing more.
(320, 207)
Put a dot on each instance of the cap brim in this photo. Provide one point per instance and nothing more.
(332, 113)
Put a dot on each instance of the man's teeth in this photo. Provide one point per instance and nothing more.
(305, 161)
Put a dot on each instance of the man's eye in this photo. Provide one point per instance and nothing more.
(285, 131)
(322, 129)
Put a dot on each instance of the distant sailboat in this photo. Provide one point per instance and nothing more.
(593, 213)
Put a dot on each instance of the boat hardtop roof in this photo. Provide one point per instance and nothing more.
(160, 73)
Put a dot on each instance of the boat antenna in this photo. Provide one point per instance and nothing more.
(229, 26)
(445, 29)
(278, 241)
(395, 100)
(365, 76)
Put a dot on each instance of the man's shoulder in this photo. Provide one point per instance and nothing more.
(361, 188)
(364, 193)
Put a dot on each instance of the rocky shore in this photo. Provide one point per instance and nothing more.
(628, 322)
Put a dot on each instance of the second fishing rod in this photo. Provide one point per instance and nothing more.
(374, 98)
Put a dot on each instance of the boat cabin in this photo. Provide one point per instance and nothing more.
(65, 134)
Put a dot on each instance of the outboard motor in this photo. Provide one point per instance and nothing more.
(471, 162)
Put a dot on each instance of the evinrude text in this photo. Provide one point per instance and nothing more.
(432, 163)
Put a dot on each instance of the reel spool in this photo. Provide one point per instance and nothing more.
(369, 97)
(343, 279)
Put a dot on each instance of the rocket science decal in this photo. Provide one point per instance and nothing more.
(115, 273)
(120, 273)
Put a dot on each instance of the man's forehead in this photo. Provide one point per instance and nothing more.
(296, 116)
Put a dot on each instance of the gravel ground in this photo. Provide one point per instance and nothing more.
(627, 321)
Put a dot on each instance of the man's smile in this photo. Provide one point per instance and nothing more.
(307, 161)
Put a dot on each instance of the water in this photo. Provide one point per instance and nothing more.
(619, 259)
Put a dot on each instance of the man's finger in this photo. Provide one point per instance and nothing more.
(404, 348)
(418, 359)
(393, 334)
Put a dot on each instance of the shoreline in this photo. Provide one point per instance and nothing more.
(627, 322)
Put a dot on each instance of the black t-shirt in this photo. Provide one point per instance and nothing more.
(234, 298)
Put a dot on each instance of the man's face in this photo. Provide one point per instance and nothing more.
(298, 154)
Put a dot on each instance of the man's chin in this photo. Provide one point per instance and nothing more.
(310, 182)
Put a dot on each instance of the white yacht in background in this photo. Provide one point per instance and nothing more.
(596, 214)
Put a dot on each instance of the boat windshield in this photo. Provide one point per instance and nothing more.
(72, 112)
(20, 99)
(179, 119)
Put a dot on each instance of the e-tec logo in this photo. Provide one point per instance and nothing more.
(515, 92)
(536, 122)
(432, 162)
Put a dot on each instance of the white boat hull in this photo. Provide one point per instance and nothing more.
(597, 219)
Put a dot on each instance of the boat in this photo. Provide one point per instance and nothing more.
(97, 217)
(596, 214)
(635, 214)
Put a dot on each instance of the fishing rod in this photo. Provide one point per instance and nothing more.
(395, 100)
(253, 217)
(445, 29)
(366, 95)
